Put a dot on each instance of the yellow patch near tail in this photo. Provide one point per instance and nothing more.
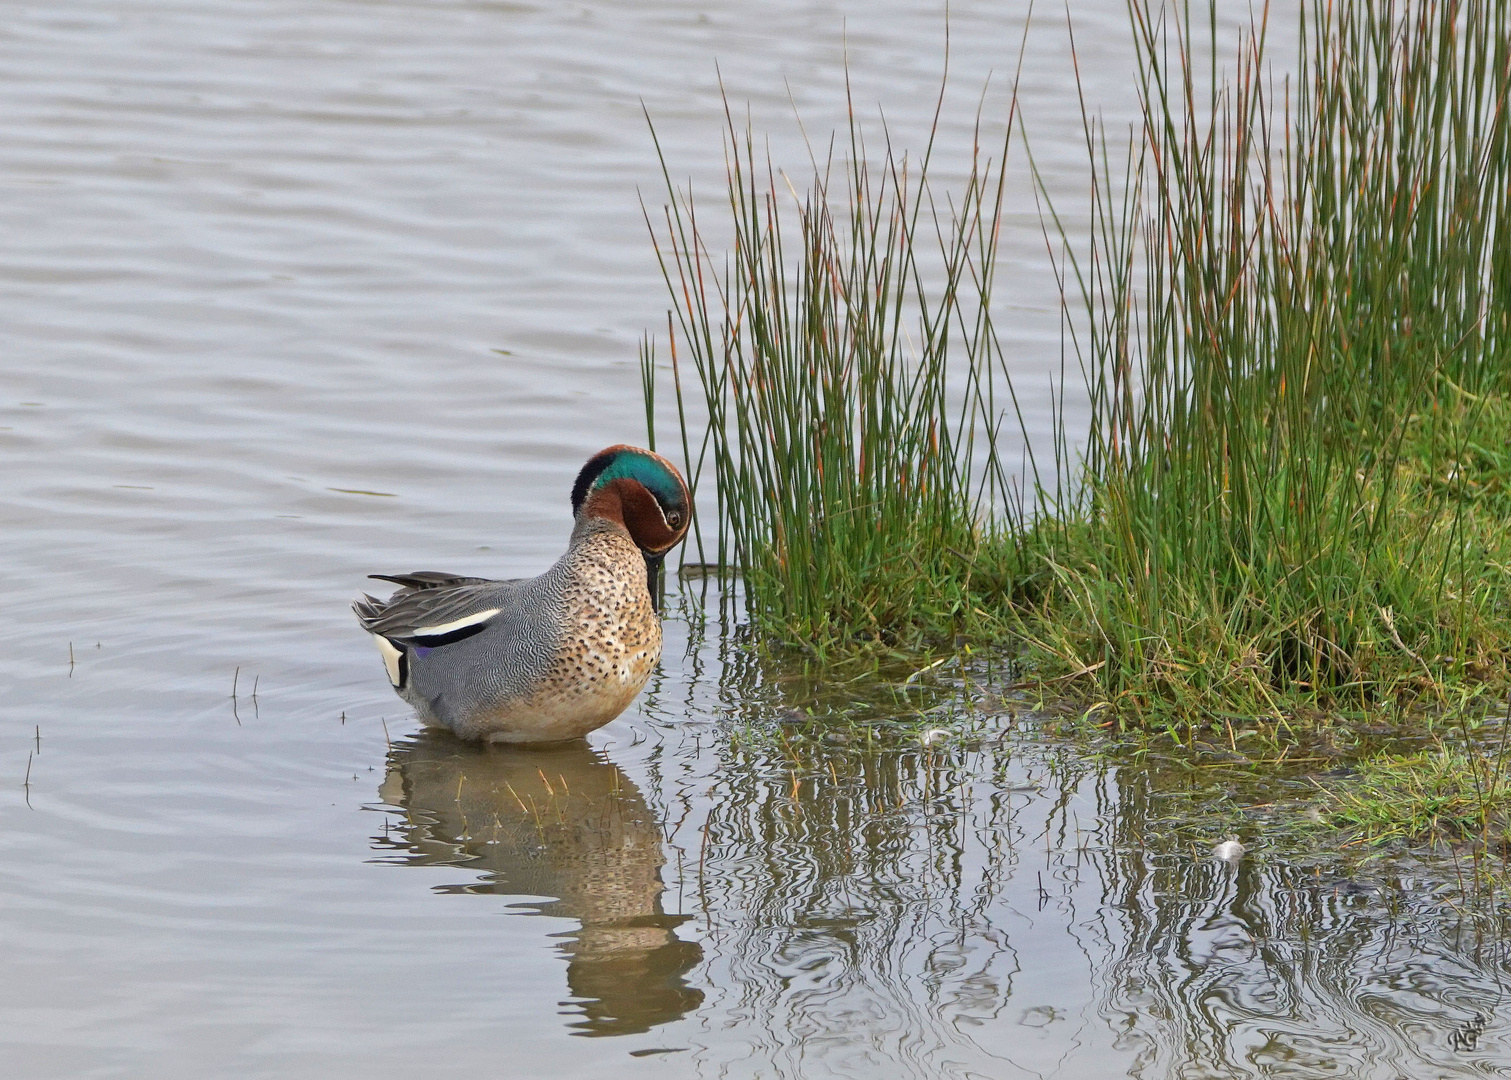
(391, 657)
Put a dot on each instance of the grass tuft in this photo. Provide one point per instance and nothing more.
(849, 367)
(1294, 319)
(1295, 333)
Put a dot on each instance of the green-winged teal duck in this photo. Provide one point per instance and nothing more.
(552, 657)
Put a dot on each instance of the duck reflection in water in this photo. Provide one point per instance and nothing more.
(560, 822)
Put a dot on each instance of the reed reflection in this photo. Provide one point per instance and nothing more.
(1005, 904)
(988, 911)
(565, 823)
(1293, 967)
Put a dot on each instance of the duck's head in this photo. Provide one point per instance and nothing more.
(643, 492)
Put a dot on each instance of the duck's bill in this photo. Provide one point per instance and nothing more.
(653, 579)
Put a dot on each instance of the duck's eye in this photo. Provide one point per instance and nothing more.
(674, 519)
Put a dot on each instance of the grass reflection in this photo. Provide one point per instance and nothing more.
(1009, 902)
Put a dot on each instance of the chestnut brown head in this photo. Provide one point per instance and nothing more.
(639, 488)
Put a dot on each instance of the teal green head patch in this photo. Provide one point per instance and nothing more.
(652, 471)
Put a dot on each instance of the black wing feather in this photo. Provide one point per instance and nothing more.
(429, 579)
(426, 599)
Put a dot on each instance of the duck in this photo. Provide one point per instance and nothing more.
(551, 658)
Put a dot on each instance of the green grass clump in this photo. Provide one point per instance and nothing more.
(1297, 342)
(1294, 319)
(1383, 613)
(846, 356)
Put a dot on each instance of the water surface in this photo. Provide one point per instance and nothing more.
(294, 292)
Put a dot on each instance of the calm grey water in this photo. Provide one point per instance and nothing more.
(296, 291)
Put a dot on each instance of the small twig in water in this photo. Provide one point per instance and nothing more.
(1058, 678)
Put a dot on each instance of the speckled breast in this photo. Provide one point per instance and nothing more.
(610, 643)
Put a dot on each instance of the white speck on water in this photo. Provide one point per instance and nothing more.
(1229, 851)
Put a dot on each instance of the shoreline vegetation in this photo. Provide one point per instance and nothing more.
(1286, 535)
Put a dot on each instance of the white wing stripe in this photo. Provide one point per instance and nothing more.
(455, 624)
